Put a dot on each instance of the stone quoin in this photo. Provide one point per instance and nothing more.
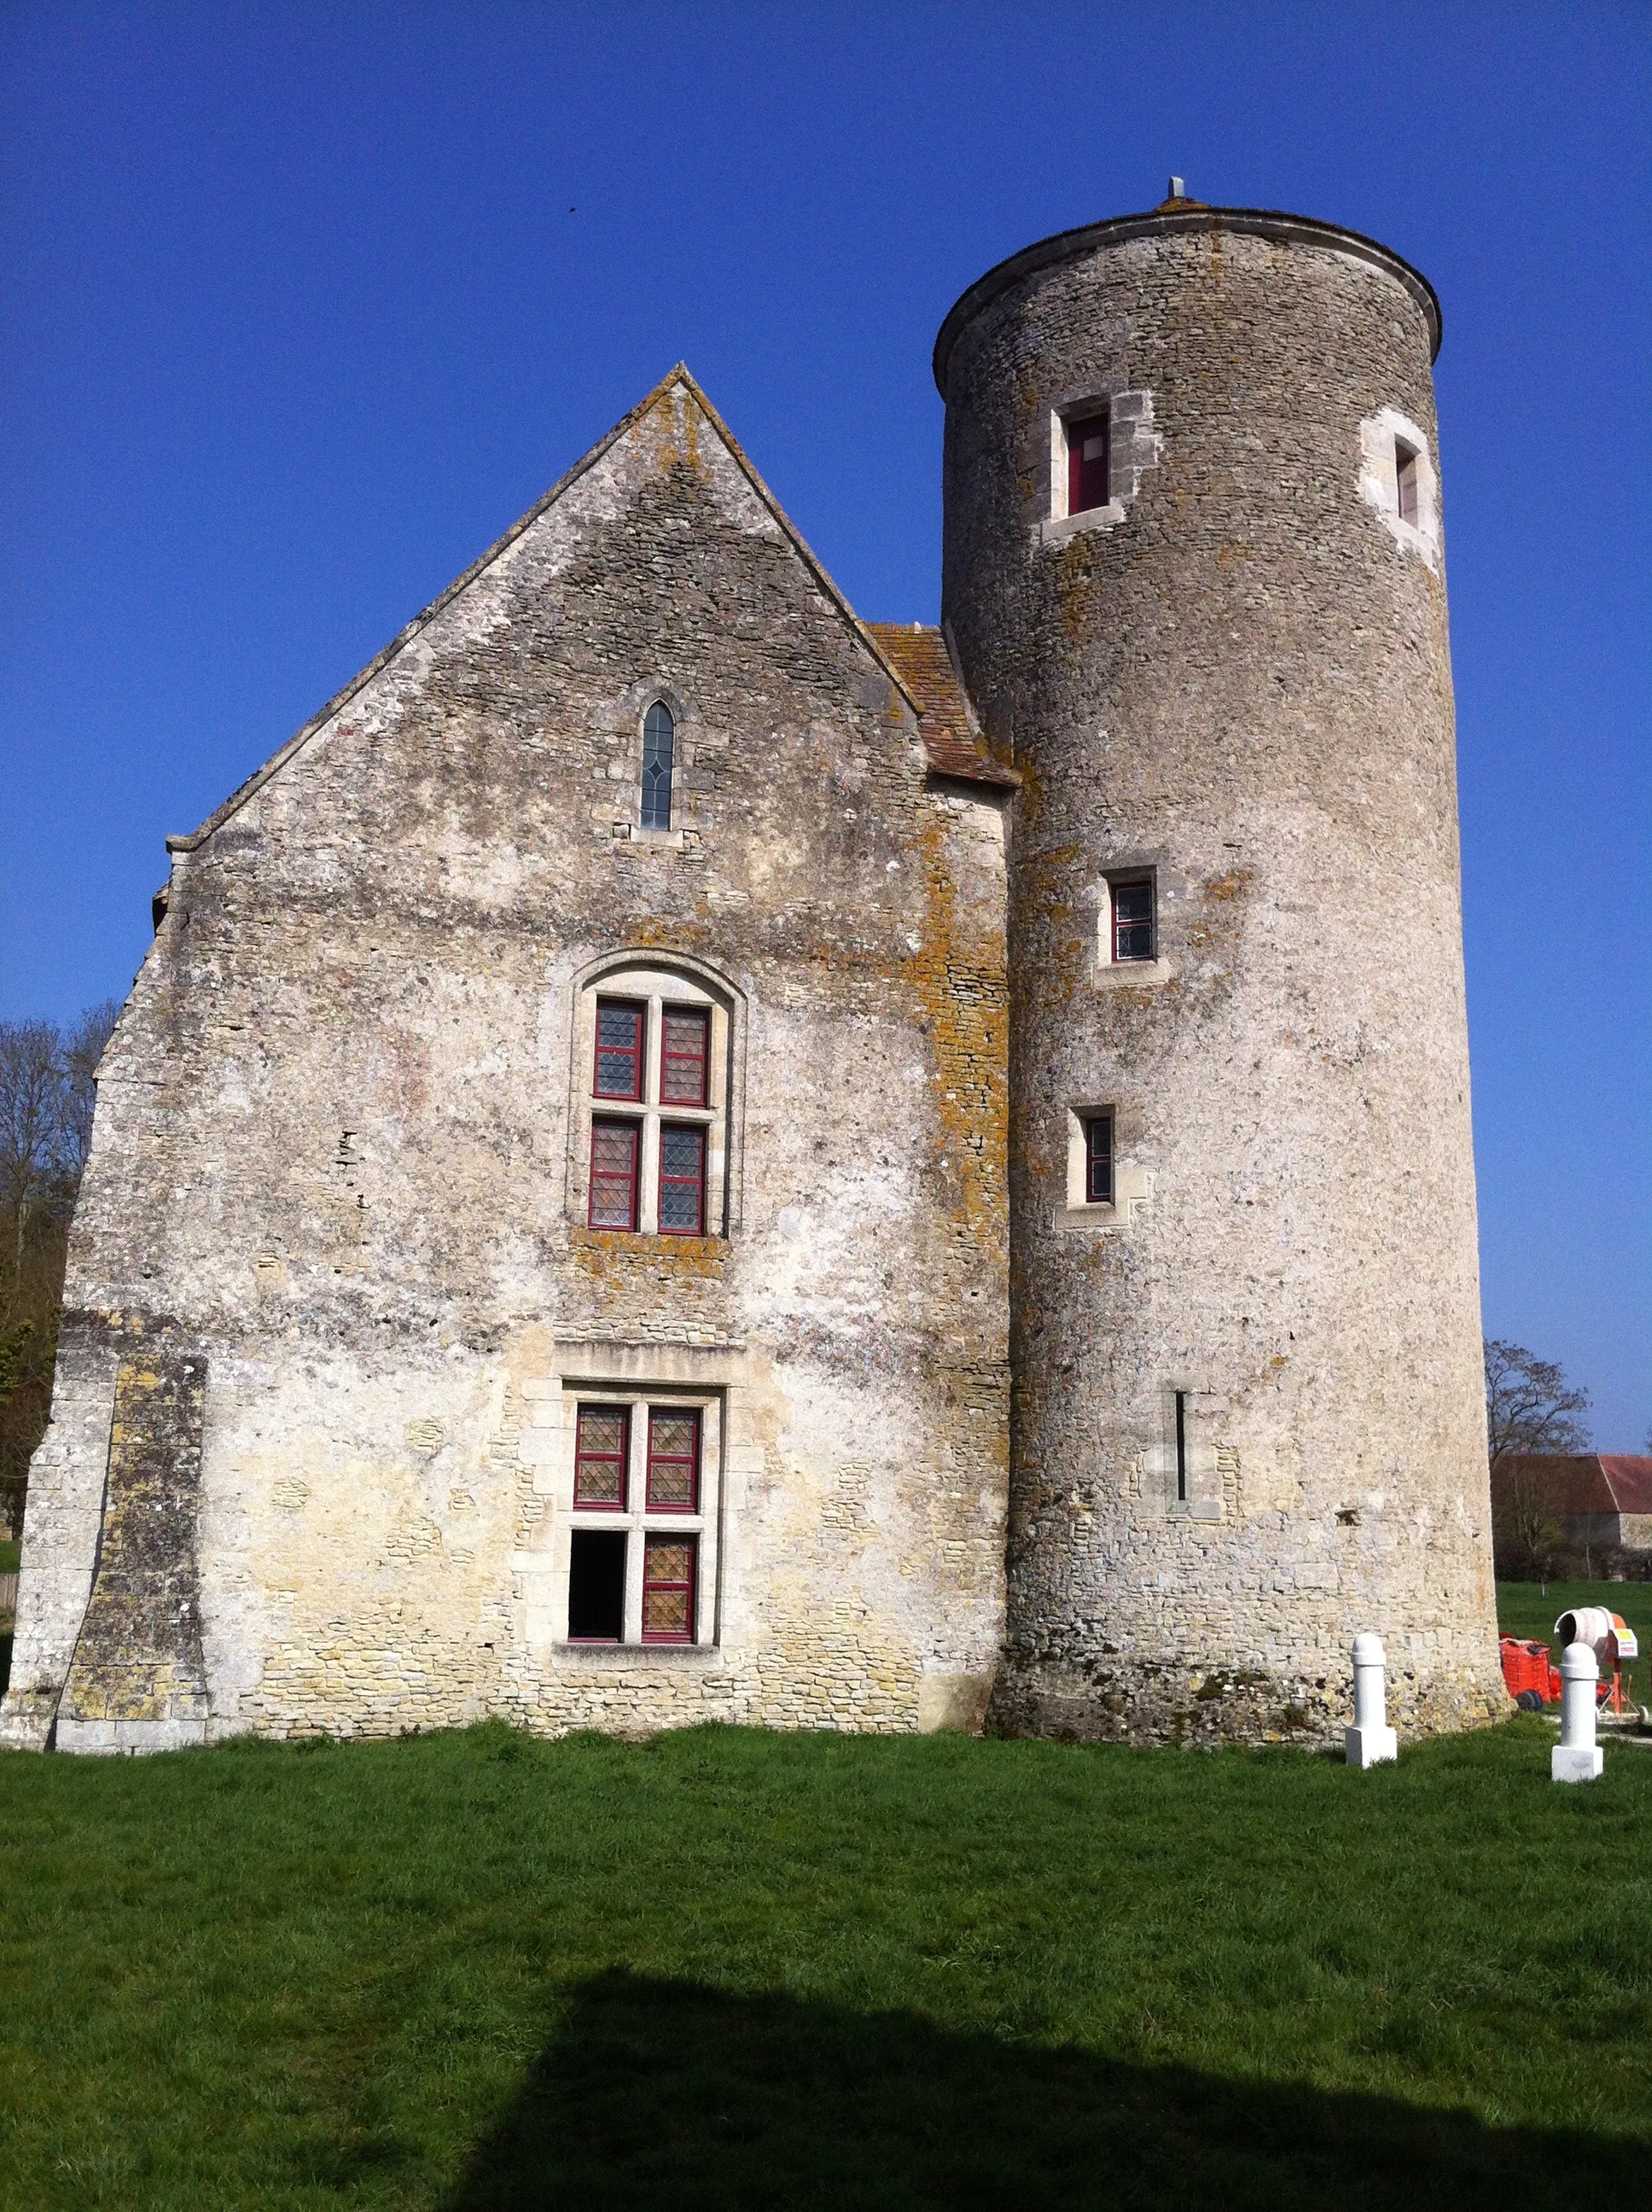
(679, 1156)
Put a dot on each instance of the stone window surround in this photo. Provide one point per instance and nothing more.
(1133, 446)
(685, 834)
(1379, 435)
(660, 978)
(1202, 1410)
(1129, 974)
(636, 1521)
(590, 1368)
(1132, 1184)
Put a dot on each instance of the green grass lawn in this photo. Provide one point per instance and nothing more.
(728, 1969)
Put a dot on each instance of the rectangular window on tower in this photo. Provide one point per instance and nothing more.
(1098, 1160)
(1087, 462)
(1133, 917)
(1405, 480)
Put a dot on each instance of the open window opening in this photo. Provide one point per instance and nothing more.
(1407, 488)
(596, 1586)
(1181, 1446)
(1087, 443)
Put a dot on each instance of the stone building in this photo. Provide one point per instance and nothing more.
(680, 1155)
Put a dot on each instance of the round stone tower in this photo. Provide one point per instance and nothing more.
(1193, 582)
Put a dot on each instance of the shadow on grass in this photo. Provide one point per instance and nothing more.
(668, 2093)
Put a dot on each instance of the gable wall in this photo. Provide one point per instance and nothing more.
(333, 1159)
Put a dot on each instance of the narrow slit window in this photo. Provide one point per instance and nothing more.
(1182, 1446)
(1132, 921)
(1405, 479)
(619, 1050)
(1087, 443)
(601, 1446)
(685, 1056)
(596, 1586)
(1098, 1160)
(659, 749)
(673, 1460)
(681, 1181)
(668, 1564)
(613, 1154)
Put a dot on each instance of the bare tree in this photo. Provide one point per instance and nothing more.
(46, 1095)
(31, 1118)
(1526, 1537)
(1529, 1405)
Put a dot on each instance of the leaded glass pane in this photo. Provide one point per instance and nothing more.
(658, 743)
(666, 1613)
(619, 1052)
(599, 1456)
(681, 1180)
(683, 1062)
(673, 1461)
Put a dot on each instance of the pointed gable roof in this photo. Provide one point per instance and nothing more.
(939, 723)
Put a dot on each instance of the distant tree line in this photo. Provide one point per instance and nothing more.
(46, 1096)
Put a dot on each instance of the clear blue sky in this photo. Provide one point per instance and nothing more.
(300, 305)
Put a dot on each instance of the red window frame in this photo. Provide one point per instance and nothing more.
(631, 1054)
(678, 1183)
(1098, 1160)
(584, 1457)
(1087, 480)
(603, 1179)
(1123, 922)
(676, 1066)
(666, 1460)
(653, 1548)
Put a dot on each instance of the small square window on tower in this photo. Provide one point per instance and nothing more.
(1087, 462)
(1405, 482)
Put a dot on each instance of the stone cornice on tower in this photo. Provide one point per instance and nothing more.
(1181, 216)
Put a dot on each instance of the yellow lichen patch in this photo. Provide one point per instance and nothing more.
(619, 1255)
(960, 978)
(1233, 885)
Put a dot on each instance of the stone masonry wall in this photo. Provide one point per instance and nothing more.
(332, 1149)
(1238, 683)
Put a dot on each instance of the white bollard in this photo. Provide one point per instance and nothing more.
(1370, 1740)
(1577, 1757)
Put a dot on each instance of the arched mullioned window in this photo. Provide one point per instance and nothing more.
(658, 746)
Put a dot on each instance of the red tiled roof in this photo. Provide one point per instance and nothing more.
(921, 660)
(1572, 1482)
(1631, 1480)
